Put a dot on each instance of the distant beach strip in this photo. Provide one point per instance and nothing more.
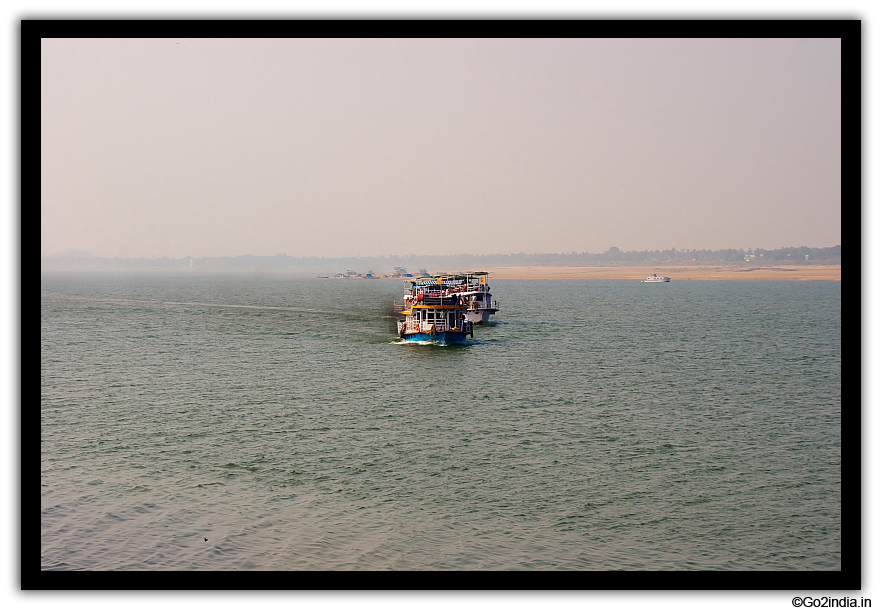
(685, 272)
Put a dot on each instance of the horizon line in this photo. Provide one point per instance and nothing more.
(611, 250)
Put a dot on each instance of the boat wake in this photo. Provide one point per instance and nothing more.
(435, 343)
(160, 303)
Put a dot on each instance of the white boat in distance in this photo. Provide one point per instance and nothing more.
(652, 279)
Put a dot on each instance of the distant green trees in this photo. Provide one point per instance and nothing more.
(458, 262)
(615, 255)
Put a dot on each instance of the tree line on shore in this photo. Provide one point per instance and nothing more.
(383, 264)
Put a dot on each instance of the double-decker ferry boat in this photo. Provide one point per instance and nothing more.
(434, 312)
(652, 279)
(476, 291)
(471, 288)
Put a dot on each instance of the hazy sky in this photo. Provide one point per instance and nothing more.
(179, 147)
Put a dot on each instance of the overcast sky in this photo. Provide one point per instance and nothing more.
(202, 147)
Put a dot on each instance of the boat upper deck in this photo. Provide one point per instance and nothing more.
(475, 281)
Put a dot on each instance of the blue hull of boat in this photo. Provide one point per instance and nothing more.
(449, 338)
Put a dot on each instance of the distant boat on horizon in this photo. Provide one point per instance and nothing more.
(652, 279)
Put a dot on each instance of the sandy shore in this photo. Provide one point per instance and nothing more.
(697, 272)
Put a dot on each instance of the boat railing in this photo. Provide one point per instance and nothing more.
(475, 305)
(440, 326)
(414, 326)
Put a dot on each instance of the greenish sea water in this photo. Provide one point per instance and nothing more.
(595, 425)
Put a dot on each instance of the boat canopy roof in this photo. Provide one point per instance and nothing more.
(448, 279)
